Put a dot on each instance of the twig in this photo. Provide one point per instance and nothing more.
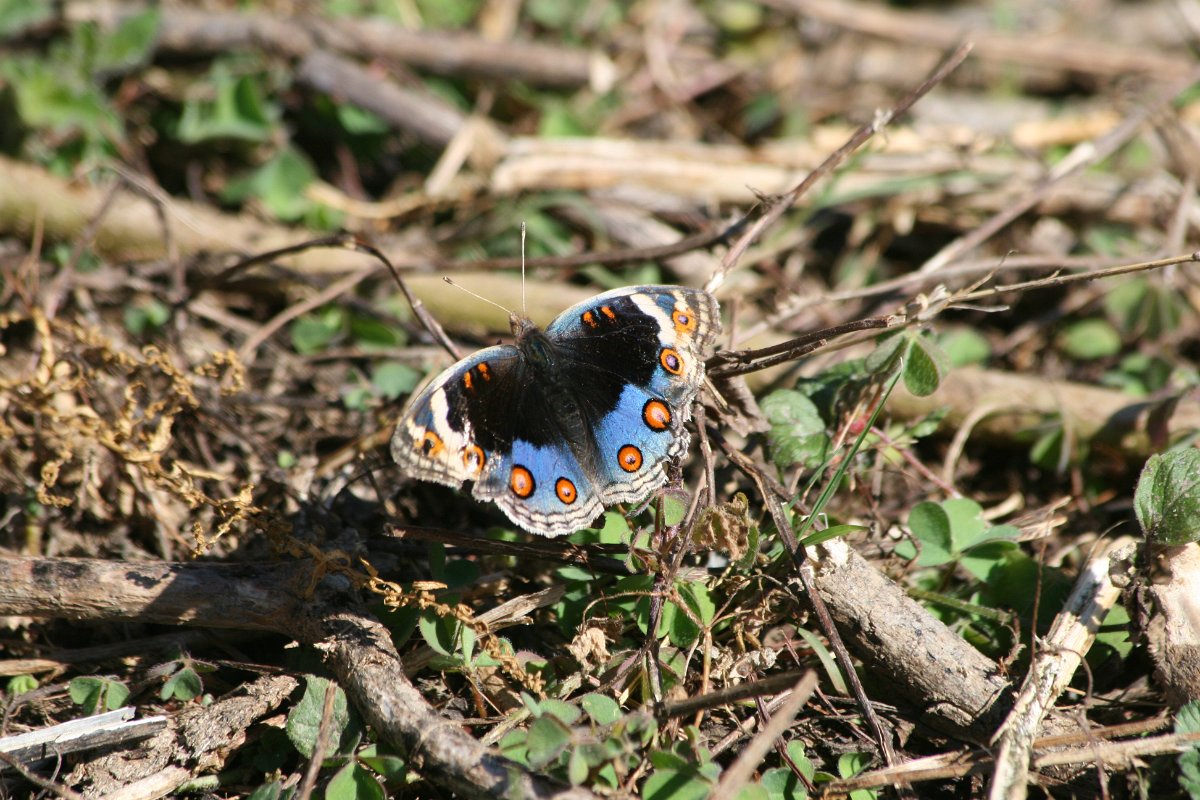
(1082, 155)
(838, 156)
(804, 569)
(54, 788)
(910, 28)
(741, 770)
(1069, 639)
(1079, 277)
(324, 729)
(279, 598)
(772, 684)
(741, 362)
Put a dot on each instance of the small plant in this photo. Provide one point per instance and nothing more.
(97, 694)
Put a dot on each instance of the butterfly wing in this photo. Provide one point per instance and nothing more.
(486, 420)
(633, 360)
(442, 433)
(586, 414)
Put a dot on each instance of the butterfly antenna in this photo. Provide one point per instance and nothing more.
(523, 309)
(460, 287)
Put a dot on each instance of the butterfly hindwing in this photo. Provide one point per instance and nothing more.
(636, 358)
(484, 420)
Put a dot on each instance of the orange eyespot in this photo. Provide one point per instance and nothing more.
(430, 444)
(671, 361)
(684, 321)
(657, 415)
(467, 380)
(520, 480)
(483, 370)
(589, 319)
(565, 491)
(608, 312)
(474, 458)
(630, 458)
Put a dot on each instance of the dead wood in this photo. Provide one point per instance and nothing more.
(420, 113)
(1060, 51)
(1008, 407)
(196, 31)
(197, 740)
(918, 662)
(1096, 591)
(273, 597)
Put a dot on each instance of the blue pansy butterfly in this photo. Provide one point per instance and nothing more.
(568, 420)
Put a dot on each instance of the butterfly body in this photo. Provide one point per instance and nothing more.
(567, 420)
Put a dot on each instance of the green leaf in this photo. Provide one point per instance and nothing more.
(753, 791)
(439, 633)
(183, 685)
(1114, 633)
(832, 532)
(850, 764)
(97, 694)
(360, 122)
(1167, 498)
(352, 782)
(559, 121)
(1089, 339)
(129, 45)
(312, 333)
(614, 529)
(833, 669)
(564, 712)
(304, 720)
(797, 432)
(601, 708)
(20, 684)
(1048, 451)
(889, 349)
(673, 510)
(796, 752)
(966, 522)
(676, 784)
(150, 314)
(983, 559)
(930, 524)
(927, 365)
(514, 746)
(237, 111)
(1143, 309)
(279, 184)
(548, 738)
(17, 16)
(268, 791)
(389, 766)
(782, 784)
(678, 623)
(51, 95)
(374, 334)
(1187, 720)
(965, 346)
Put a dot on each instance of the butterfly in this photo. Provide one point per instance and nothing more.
(570, 419)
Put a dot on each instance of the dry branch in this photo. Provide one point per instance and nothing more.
(938, 31)
(196, 32)
(1070, 637)
(272, 597)
(1007, 407)
(199, 739)
(921, 664)
(87, 733)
